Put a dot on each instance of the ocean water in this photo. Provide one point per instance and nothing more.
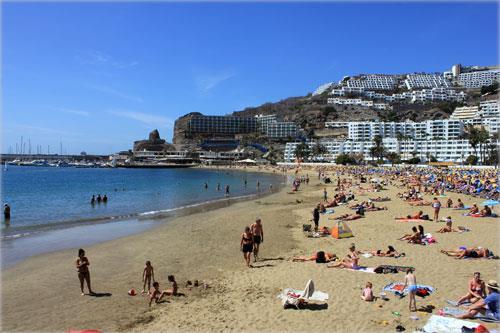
(45, 196)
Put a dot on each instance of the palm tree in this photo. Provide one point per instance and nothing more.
(483, 137)
(472, 134)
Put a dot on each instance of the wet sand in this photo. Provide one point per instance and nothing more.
(42, 293)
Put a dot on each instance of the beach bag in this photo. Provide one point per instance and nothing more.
(320, 257)
(306, 227)
(425, 217)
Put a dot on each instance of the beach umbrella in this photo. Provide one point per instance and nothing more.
(490, 203)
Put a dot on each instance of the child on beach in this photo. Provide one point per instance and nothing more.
(367, 293)
(436, 204)
(172, 291)
(156, 294)
(411, 283)
(148, 274)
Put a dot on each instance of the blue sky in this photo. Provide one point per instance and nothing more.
(99, 76)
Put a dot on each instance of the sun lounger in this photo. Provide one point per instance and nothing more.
(439, 324)
(293, 297)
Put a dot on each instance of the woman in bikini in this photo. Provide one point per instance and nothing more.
(477, 290)
(82, 263)
(246, 245)
(391, 252)
(351, 261)
(328, 257)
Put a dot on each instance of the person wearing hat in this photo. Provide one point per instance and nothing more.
(488, 306)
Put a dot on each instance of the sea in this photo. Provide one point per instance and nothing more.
(51, 206)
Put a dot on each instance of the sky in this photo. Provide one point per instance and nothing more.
(98, 76)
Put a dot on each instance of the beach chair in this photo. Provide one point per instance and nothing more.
(296, 298)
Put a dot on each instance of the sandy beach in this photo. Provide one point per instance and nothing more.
(42, 293)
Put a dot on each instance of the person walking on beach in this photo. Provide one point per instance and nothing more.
(411, 283)
(316, 217)
(6, 212)
(258, 237)
(325, 194)
(246, 245)
(148, 274)
(436, 205)
(82, 266)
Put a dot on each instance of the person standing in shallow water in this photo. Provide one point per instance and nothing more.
(6, 212)
(82, 266)
(92, 201)
(227, 190)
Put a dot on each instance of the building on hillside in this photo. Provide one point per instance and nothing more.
(489, 108)
(222, 125)
(465, 112)
(264, 120)
(367, 130)
(322, 88)
(282, 130)
(373, 81)
(415, 81)
(477, 79)
(443, 150)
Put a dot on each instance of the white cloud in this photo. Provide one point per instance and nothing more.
(114, 92)
(206, 83)
(145, 118)
(73, 111)
(99, 58)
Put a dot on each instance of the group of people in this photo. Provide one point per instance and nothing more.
(250, 242)
(481, 302)
(148, 278)
(99, 199)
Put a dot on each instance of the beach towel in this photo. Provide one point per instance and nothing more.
(398, 288)
(464, 208)
(328, 211)
(294, 297)
(455, 303)
(439, 324)
(488, 317)
(364, 269)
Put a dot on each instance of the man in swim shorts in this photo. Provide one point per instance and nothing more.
(258, 237)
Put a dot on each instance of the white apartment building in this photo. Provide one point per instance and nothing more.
(373, 81)
(422, 96)
(337, 124)
(477, 79)
(465, 112)
(443, 150)
(415, 81)
(357, 101)
(443, 128)
(489, 108)
(322, 88)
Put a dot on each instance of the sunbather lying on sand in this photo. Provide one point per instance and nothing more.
(348, 217)
(472, 252)
(417, 216)
(420, 203)
(380, 199)
(318, 257)
(391, 252)
(416, 237)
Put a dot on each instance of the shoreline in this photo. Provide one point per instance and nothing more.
(138, 223)
(205, 246)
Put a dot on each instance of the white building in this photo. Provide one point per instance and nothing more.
(443, 150)
(322, 88)
(264, 120)
(442, 128)
(357, 101)
(373, 81)
(477, 79)
(465, 112)
(414, 81)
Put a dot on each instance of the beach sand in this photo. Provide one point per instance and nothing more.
(42, 293)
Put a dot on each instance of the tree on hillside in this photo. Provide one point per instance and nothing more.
(302, 151)
(319, 149)
(472, 134)
(483, 137)
(345, 159)
(489, 89)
